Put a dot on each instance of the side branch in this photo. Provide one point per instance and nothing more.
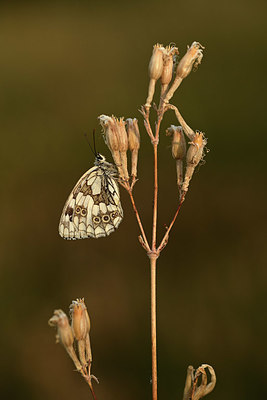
(165, 237)
(146, 245)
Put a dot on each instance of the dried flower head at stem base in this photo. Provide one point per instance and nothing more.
(64, 334)
(195, 390)
(115, 137)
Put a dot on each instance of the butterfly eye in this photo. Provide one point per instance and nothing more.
(96, 220)
(105, 218)
(114, 215)
(78, 210)
(83, 212)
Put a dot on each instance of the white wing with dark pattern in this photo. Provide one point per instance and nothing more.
(93, 208)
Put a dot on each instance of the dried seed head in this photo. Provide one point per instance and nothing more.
(195, 154)
(155, 69)
(116, 139)
(133, 133)
(110, 132)
(156, 62)
(178, 141)
(192, 58)
(134, 142)
(169, 55)
(80, 320)
(122, 134)
(196, 149)
(123, 146)
(64, 333)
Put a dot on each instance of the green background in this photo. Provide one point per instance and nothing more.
(63, 64)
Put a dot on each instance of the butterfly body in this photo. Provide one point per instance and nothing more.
(93, 208)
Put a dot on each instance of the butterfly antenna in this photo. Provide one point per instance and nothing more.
(92, 150)
(94, 142)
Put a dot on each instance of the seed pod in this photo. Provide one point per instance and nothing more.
(155, 69)
(64, 334)
(134, 142)
(123, 146)
(111, 137)
(178, 141)
(80, 326)
(192, 58)
(169, 55)
(178, 151)
(194, 155)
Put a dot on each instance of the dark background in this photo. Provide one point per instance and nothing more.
(63, 64)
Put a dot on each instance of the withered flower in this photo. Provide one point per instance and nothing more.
(155, 69)
(116, 139)
(178, 151)
(80, 324)
(133, 141)
(64, 334)
(195, 154)
(169, 53)
(192, 58)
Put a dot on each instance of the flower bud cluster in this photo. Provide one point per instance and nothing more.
(192, 156)
(161, 65)
(78, 331)
(121, 136)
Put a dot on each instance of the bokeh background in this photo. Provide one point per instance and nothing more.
(62, 65)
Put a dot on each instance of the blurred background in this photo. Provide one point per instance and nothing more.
(64, 63)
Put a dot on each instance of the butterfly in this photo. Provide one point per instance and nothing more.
(93, 209)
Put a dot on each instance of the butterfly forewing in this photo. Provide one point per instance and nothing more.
(93, 208)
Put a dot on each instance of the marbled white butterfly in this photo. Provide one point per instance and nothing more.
(93, 208)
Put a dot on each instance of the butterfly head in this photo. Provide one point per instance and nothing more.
(99, 158)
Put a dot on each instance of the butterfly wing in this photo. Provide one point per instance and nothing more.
(93, 208)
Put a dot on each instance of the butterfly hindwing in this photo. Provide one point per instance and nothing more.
(93, 208)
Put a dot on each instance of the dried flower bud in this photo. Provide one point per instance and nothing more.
(79, 319)
(156, 62)
(123, 146)
(192, 58)
(196, 148)
(169, 55)
(178, 141)
(114, 137)
(194, 155)
(178, 151)
(134, 142)
(133, 133)
(64, 334)
(110, 132)
(80, 327)
(155, 69)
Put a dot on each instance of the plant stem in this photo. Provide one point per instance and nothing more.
(153, 261)
(155, 202)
